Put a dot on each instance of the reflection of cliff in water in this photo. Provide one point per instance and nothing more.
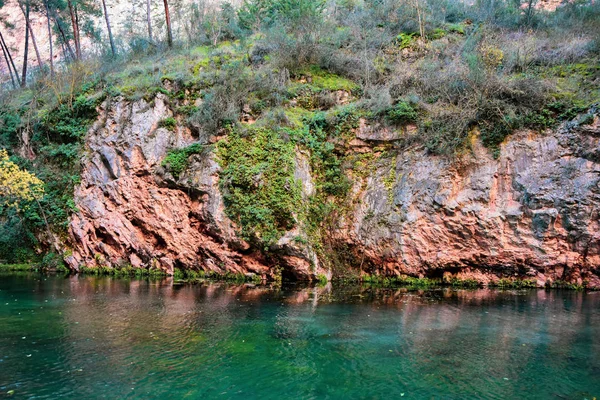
(119, 308)
(207, 339)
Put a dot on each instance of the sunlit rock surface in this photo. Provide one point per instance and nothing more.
(530, 214)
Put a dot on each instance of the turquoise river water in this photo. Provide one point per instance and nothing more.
(90, 337)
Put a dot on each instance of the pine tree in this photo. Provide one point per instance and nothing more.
(110, 36)
(168, 20)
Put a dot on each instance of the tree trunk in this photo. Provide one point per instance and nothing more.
(110, 36)
(33, 41)
(529, 12)
(26, 51)
(12, 62)
(49, 38)
(9, 59)
(64, 37)
(35, 47)
(75, 30)
(149, 18)
(168, 18)
(421, 19)
(215, 28)
(50, 233)
(10, 71)
(65, 53)
(78, 30)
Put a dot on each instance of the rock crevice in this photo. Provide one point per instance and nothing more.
(531, 213)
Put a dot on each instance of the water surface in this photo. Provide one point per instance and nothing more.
(90, 337)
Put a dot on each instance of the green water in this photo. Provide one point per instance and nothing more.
(89, 337)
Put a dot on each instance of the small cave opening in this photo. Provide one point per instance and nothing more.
(288, 276)
(438, 273)
(157, 241)
(106, 240)
(103, 236)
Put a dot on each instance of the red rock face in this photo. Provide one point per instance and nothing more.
(131, 212)
(139, 223)
(531, 214)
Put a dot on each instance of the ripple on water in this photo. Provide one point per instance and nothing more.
(104, 338)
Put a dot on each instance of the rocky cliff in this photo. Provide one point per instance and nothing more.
(530, 214)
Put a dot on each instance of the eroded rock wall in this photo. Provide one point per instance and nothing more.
(132, 212)
(532, 213)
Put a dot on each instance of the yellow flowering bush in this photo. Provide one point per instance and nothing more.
(16, 184)
(492, 57)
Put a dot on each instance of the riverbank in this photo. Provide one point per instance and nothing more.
(196, 277)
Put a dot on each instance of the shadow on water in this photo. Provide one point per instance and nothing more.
(98, 337)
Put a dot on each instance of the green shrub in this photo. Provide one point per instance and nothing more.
(176, 160)
(70, 121)
(437, 33)
(325, 80)
(510, 283)
(322, 280)
(10, 122)
(406, 40)
(257, 180)
(403, 112)
(456, 28)
(168, 123)
(52, 261)
(446, 135)
(56, 135)
(326, 162)
(493, 134)
(187, 110)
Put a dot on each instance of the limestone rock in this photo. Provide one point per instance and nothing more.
(532, 213)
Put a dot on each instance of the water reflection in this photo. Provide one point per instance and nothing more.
(96, 337)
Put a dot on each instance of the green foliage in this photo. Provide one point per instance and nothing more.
(560, 284)
(63, 154)
(187, 110)
(409, 282)
(56, 135)
(176, 160)
(493, 134)
(324, 80)
(406, 40)
(463, 283)
(53, 261)
(124, 271)
(495, 130)
(257, 180)
(437, 33)
(456, 28)
(390, 182)
(17, 242)
(322, 280)
(402, 113)
(509, 283)
(18, 267)
(445, 135)
(193, 276)
(586, 119)
(69, 122)
(168, 123)
(254, 14)
(326, 162)
(10, 122)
